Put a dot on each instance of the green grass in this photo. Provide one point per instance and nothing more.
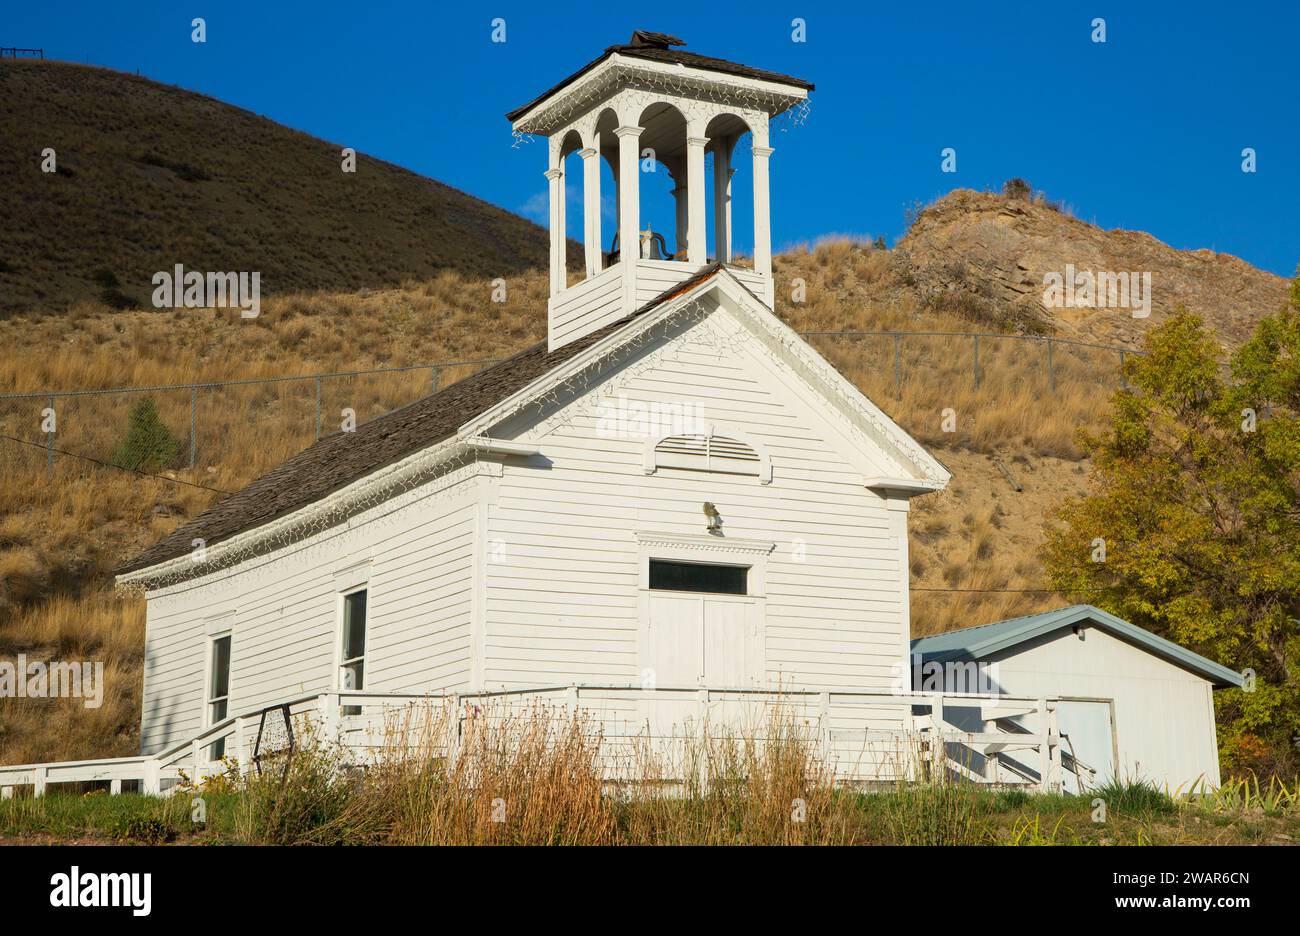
(124, 819)
(920, 815)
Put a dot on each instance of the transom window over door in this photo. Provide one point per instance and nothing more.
(667, 575)
(352, 663)
(219, 689)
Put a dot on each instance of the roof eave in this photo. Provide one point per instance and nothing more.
(1166, 650)
(615, 58)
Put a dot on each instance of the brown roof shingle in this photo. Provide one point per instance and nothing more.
(337, 460)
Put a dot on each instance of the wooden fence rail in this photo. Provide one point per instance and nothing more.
(862, 737)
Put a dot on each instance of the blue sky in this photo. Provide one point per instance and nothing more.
(1142, 132)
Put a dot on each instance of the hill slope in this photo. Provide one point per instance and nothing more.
(988, 254)
(151, 175)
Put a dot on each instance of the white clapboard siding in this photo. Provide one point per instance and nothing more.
(586, 307)
(564, 604)
(283, 612)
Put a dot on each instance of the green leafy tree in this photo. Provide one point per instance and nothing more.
(149, 444)
(1193, 527)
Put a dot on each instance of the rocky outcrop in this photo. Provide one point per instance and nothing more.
(992, 258)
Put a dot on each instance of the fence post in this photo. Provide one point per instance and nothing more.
(38, 782)
(453, 742)
(975, 343)
(49, 440)
(151, 782)
(1123, 378)
(318, 407)
(241, 742)
(434, 374)
(825, 720)
(938, 748)
(194, 413)
(898, 368)
(1051, 374)
(329, 711)
(1044, 747)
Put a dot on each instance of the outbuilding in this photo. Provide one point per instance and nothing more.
(1133, 706)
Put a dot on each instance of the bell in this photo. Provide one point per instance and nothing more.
(653, 246)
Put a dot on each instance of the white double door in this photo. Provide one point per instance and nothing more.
(699, 641)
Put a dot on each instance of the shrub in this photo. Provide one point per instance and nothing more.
(137, 828)
(149, 444)
(1135, 797)
(1017, 188)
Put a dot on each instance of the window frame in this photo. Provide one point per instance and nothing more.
(342, 662)
(746, 566)
(216, 634)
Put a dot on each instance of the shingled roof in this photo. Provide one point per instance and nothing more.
(657, 47)
(338, 460)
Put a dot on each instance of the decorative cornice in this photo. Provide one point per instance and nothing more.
(705, 543)
(621, 73)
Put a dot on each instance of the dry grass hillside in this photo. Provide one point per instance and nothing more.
(974, 547)
(150, 175)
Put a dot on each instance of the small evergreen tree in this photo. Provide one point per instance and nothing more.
(149, 444)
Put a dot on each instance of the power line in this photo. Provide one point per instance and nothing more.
(1043, 591)
(104, 464)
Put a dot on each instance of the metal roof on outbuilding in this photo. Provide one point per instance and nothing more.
(975, 643)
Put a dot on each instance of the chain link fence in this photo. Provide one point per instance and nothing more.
(191, 427)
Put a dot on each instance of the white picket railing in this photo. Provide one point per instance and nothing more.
(868, 736)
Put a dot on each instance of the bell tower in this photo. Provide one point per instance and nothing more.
(650, 102)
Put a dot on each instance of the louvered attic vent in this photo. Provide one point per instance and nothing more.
(708, 452)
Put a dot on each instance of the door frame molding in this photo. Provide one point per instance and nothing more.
(719, 550)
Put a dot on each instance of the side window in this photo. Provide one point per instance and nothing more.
(352, 666)
(218, 701)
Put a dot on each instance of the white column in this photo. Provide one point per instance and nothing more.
(697, 245)
(762, 215)
(679, 203)
(629, 212)
(591, 209)
(722, 173)
(564, 233)
(554, 176)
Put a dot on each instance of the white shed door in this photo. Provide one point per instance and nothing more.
(1091, 740)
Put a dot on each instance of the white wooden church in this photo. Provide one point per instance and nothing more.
(672, 506)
